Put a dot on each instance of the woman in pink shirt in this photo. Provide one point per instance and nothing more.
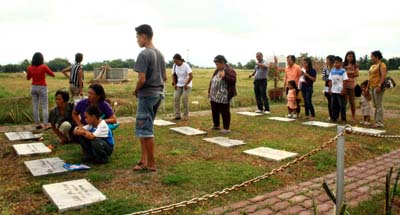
(37, 72)
(352, 70)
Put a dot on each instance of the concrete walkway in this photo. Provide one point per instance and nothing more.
(362, 181)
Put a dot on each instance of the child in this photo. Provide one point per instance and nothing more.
(336, 89)
(95, 138)
(291, 100)
(365, 103)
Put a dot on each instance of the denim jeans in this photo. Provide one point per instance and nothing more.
(146, 113)
(260, 90)
(307, 92)
(39, 95)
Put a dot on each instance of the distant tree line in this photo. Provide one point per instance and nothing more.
(57, 64)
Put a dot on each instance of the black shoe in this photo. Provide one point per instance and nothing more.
(177, 118)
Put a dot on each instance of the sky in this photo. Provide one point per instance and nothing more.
(197, 29)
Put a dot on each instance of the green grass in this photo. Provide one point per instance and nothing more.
(188, 167)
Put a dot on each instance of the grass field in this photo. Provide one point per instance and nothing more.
(187, 166)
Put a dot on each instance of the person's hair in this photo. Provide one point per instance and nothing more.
(64, 95)
(364, 83)
(220, 59)
(293, 84)
(331, 58)
(345, 58)
(377, 54)
(292, 57)
(309, 63)
(144, 29)
(337, 58)
(178, 57)
(259, 53)
(99, 90)
(93, 110)
(37, 59)
(78, 57)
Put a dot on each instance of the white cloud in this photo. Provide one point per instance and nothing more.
(105, 29)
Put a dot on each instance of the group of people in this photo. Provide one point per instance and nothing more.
(91, 121)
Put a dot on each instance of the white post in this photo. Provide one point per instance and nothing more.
(339, 171)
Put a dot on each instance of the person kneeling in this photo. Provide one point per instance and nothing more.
(95, 138)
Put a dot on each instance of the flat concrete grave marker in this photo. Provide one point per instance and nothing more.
(23, 135)
(320, 124)
(368, 130)
(282, 119)
(224, 141)
(270, 154)
(45, 166)
(188, 131)
(161, 122)
(73, 194)
(31, 148)
(246, 113)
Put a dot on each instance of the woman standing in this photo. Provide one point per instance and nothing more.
(221, 90)
(307, 87)
(377, 76)
(182, 81)
(330, 59)
(37, 72)
(352, 70)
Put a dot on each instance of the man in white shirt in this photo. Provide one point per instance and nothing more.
(182, 80)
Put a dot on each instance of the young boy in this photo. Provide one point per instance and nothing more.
(365, 103)
(336, 89)
(95, 138)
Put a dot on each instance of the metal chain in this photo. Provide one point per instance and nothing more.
(245, 183)
(349, 130)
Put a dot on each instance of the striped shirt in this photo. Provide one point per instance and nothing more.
(74, 74)
(219, 90)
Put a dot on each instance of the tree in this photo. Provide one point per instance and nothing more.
(117, 63)
(393, 63)
(239, 65)
(58, 64)
(250, 65)
(129, 63)
(11, 68)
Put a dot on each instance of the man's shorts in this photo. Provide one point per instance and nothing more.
(146, 113)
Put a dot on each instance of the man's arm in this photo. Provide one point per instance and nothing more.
(140, 82)
(76, 118)
(80, 81)
(64, 71)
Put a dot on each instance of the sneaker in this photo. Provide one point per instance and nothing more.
(267, 112)
(225, 131)
(289, 116)
(215, 128)
(259, 111)
(294, 116)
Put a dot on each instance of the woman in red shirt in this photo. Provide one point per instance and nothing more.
(37, 72)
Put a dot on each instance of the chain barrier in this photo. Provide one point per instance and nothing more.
(245, 183)
(350, 130)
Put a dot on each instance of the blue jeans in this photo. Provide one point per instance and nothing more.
(146, 113)
(338, 106)
(260, 90)
(307, 92)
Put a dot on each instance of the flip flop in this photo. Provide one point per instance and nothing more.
(139, 166)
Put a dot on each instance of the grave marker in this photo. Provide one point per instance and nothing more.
(161, 122)
(188, 131)
(282, 119)
(23, 135)
(45, 166)
(73, 194)
(224, 141)
(246, 113)
(31, 148)
(320, 124)
(270, 154)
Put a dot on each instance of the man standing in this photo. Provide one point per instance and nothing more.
(260, 84)
(150, 66)
(76, 76)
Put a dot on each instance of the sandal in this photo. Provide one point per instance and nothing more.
(139, 166)
(152, 169)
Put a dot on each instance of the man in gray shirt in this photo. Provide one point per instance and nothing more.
(260, 84)
(150, 66)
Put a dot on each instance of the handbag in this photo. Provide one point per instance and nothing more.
(174, 77)
(389, 83)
